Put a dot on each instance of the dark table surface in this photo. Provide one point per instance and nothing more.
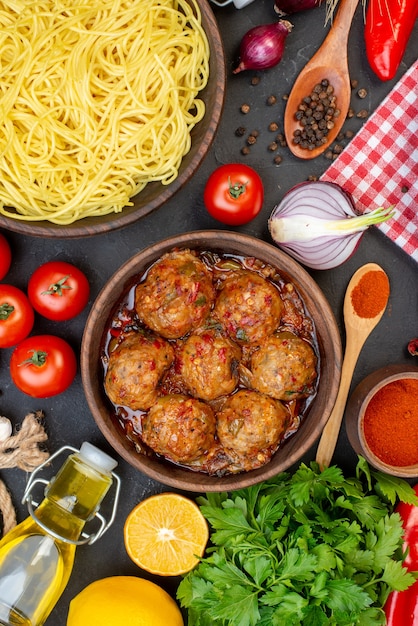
(67, 417)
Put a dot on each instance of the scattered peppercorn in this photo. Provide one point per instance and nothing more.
(271, 100)
(354, 83)
(404, 188)
(273, 127)
(362, 93)
(363, 114)
(245, 150)
(277, 159)
(281, 139)
(349, 134)
(350, 113)
(240, 131)
(251, 140)
(255, 80)
(245, 108)
(273, 146)
(254, 133)
(285, 96)
(328, 154)
(312, 178)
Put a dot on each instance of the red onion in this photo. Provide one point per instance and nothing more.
(284, 7)
(317, 224)
(262, 47)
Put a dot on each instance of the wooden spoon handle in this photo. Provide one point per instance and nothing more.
(335, 44)
(332, 428)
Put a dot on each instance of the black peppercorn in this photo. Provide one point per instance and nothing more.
(316, 114)
(362, 114)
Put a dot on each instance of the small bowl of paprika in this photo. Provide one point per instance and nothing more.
(382, 420)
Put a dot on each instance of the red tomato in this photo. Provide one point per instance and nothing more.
(5, 256)
(234, 194)
(58, 290)
(16, 316)
(43, 365)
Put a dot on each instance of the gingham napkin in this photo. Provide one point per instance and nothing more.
(380, 165)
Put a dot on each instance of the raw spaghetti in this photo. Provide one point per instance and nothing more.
(97, 99)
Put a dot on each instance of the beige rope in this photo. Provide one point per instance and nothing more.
(21, 450)
(7, 509)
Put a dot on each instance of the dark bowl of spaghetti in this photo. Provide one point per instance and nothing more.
(108, 111)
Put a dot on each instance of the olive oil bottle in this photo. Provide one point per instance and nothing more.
(36, 557)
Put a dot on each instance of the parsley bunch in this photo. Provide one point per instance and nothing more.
(308, 549)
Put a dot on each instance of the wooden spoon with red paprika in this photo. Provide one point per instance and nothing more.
(364, 304)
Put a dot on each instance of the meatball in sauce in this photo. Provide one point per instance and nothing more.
(208, 364)
(135, 367)
(248, 307)
(250, 427)
(284, 367)
(176, 296)
(179, 428)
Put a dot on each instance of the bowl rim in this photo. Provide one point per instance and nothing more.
(99, 314)
(90, 226)
(357, 406)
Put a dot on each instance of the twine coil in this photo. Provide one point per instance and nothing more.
(22, 450)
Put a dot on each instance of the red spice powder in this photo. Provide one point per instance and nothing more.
(370, 295)
(391, 423)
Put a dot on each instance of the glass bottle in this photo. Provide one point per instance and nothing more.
(37, 556)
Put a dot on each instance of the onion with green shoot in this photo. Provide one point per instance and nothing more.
(317, 224)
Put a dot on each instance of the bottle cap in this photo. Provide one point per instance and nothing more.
(93, 456)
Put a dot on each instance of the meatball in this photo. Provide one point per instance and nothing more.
(176, 296)
(208, 363)
(250, 427)
(248, 306)
(284, 367)
(179, 428)
(134, 370)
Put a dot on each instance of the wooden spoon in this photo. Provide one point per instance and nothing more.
(329, 62)
(357, 330)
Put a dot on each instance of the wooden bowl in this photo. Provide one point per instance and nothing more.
(329, 348)
(356, 409)
(154, 195)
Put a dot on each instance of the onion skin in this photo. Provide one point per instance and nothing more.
(317, 224)
(287, 7)
(262, 47)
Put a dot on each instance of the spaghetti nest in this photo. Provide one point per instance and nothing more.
(97, 99)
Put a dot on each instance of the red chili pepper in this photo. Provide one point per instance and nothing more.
(401, 608)
(389, 24)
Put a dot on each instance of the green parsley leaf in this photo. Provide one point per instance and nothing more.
(305, 549)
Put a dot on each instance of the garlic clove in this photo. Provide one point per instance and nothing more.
(5, 428)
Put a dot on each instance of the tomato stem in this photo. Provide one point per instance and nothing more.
(38, 358)
(57, 288)
(6, 310)
(236, 189)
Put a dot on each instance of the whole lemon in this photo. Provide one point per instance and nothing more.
(123, 601)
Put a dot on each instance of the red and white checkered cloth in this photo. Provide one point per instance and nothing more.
(380, 165)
